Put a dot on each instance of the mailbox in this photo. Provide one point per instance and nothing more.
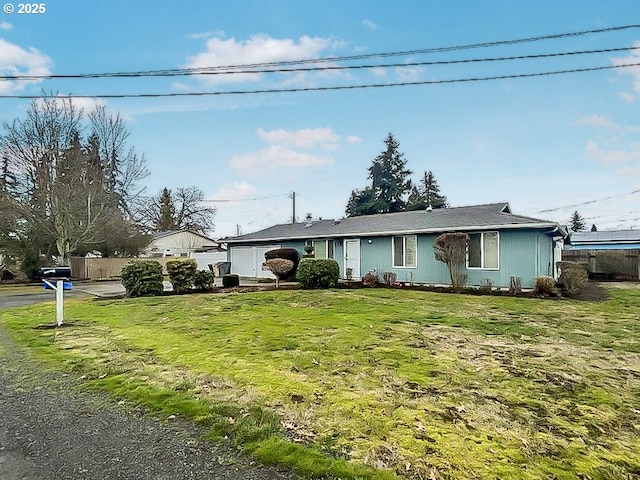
(53, 273)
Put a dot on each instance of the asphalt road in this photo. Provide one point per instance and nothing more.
(51, 430)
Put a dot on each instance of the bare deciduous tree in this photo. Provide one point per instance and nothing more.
(66, 190)
(179, 210)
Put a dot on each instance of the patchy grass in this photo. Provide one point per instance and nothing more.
(19, 288)
(375, 383)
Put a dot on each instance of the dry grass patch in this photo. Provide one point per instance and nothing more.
(428, 385)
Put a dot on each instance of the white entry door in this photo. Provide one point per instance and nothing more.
(352, 256)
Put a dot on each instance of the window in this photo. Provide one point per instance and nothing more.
(483, 251)
(322, 248)
(405, 251)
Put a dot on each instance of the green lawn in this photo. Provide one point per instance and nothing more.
(364, 383)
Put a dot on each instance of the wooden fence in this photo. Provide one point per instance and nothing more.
(607, 264)
(100, 268)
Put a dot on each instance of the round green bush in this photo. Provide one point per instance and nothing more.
(142, 277)
(318, 272)
(203, 280)
(181, 273)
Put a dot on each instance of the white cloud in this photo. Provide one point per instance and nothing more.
(206, 35)
(378, 71)
(87, 105)
(274, 157)
(257, 49)
(15, 60)
(5, 26)
(409, 74)
(612, 157)
(600, 121)
(353, 139)
(369, 24)
(632, 58)
(236, 191)
(607, 123)
(628, 97)
(304, 138)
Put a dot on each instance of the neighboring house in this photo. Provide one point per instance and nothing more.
(600, 249)
(179, 243)
(502, 244)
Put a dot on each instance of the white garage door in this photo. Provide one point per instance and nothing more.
(247, 261)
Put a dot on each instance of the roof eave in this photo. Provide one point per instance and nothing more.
(395, 232)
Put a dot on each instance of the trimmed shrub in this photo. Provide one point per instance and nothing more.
(142, 278)
(573, 276)
(203, 280)
(318, 272)
(288, 254)
(230, 281)
(181, 273)
(515, 285)
(389, 278)
(279, 267)
(451, 249)
(370, 280)
(546, 285)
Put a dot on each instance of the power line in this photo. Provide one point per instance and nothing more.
(589, 202)
(326, 88)
(362, 56)
(234, 71)
(229, 200)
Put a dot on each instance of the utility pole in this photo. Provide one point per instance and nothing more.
(293, 216)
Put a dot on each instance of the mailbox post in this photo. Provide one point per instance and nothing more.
(57, 279)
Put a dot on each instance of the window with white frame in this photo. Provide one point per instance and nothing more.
(484, 250)
(322, 248)
(405, 251)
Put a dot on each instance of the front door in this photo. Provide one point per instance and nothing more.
(352, 257)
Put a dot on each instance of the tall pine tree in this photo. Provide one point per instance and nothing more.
(577, 223)
(166, 216)
(427, 194)
(390, 184)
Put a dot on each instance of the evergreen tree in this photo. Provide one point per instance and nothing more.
(594, 228)
(390, 184)
(577, 223)
(167, 212)
(428, 194)
(181, 209)
(362, 202)
(415, 200)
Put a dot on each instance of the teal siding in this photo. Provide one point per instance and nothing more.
(523, 253)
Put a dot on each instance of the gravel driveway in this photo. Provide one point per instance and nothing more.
(50, 430)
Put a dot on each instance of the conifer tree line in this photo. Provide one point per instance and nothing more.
(391, 188)
(70, 184)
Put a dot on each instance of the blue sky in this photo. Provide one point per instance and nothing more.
(539, 143)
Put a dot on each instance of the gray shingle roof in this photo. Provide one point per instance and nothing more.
(477, 217)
